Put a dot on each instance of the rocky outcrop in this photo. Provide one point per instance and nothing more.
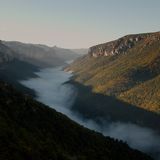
(122, 45)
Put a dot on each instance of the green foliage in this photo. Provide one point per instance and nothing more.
(104, 109)
(121, 75)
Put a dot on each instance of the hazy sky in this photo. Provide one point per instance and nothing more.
(76, 23)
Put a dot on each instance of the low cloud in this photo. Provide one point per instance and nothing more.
(52, 91)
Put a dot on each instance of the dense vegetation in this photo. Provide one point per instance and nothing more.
(105, 109)
(131, 76)
(31, 130)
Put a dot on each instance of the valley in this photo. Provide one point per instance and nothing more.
(131, 75)
(55, 88)
(79, 80)
(91, 89)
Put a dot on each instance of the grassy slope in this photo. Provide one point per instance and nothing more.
(121, 75)
(146, 95)
(30, 130)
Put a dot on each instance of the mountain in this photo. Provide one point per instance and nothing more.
(66, 54)
(127, 69)
(19, 61)
(6, 54)
(81, 51)
(31, 130)
(41, 55)
(12, 70)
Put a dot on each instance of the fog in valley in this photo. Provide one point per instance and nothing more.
(52, 90)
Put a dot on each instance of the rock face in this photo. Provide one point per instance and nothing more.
(122, 45)
(127, 68)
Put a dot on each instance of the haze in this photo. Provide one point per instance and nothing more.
(76, 23)
(52, 90)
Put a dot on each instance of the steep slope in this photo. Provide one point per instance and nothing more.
(120, 67)
(13, 70)
(81, 51)
(145, 95)
(31, 130)
(41, 55)
(105, 109)
(6, 54)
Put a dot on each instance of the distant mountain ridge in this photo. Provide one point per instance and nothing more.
(122, 45)
(127, 68)
(81, 51)
(12, 70)
(41, 55)
(19, 61)
(6, 54)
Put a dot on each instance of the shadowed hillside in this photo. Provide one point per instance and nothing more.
(13, 70)
(107, 109)
(31, 130)
(6, 54)
(41, 55)
(127, 69)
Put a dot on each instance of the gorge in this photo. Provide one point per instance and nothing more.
(53, 90)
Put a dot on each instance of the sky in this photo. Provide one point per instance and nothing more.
(76, 23)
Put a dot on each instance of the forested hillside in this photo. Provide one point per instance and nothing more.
(127, 69)
(31, 130)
